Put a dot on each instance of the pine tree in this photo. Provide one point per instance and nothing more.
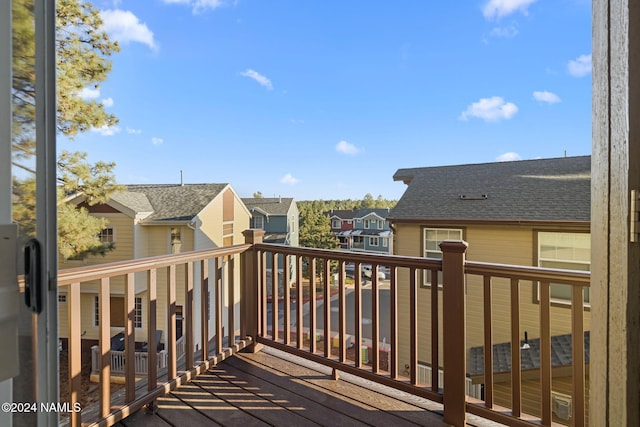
(82, 60)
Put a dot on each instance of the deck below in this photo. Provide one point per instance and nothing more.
(271, 388)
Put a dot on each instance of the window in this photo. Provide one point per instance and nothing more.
(373, 241)
(62, 298)
(257, 222)
(106, 235)
(568, 251)
(432, 239)
(366, 223)
(336, 223)
(380, 224)
(385, 242)
(176, 240)
(117, 311)
(227, 234)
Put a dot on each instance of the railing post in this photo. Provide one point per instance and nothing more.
(454, 324)
(250, 296)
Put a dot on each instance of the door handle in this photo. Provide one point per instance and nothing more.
(33, 275)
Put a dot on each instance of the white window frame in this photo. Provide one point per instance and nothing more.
(367, 223)
(385, 242)
(336, 223)
(254, 221)
(564, 263)
(380, 224)
(434, 251)
(107, 233)
(373, 239)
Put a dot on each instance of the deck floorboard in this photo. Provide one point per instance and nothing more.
(265, 389)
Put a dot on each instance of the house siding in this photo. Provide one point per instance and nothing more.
(498, 244)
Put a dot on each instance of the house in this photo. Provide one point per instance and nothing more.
(371, 231)
(341, 221)
(532, 212)
(279, 218)
(152, 220)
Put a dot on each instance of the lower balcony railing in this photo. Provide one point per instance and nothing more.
(392, 331)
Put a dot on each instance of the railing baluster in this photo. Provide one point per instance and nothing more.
(218, 291)
(488, 342)
(312, 305)
(357, 311)
(516, 391)
(413, 326)
(152, 344)
(375, 321)
(545, 353)
(105, 346)
(171, 322)
(393, 323)
(287, 299)
(262, 255)
(130, 337)
(74, 350)
(187, 316)
(299, 304)
(327, 308)
(204, 308)
(435, 330)
(577, 353)
(342, 309)
(275, 321)
(231, 298)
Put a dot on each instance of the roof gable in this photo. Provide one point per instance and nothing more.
(269, 205)
(173, 202)
(529, 190)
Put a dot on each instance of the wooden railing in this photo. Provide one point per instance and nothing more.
(306, 313)
(298, 328)
(205, 271)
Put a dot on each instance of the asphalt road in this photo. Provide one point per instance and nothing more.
(383, 320)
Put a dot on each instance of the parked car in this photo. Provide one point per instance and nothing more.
(367, 271)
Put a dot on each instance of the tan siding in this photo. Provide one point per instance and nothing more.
(505, 245)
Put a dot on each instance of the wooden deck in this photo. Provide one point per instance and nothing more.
(273, 388)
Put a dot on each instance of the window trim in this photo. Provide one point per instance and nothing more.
(107, 228)
(372, 239)
(555, 301)
(424, 282)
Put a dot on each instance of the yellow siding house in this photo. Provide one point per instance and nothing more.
(152, 220)
(534, 212)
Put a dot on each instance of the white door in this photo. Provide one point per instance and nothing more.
(34, 345)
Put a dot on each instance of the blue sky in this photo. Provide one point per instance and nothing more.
(327, 99)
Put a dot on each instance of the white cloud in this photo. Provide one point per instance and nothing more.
(490, 109)
(125, 27)
(504, 32)
(132, 131)
(107, 102)
(157, 141)
(262, 80)
(580, 66)
(546, 96)
(345, 147)
(89, 93)
(289, 179)
(106, 130)
(501, 8)
(198, 6)
(508, 157)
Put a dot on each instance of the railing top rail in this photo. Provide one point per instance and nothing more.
(554, 275)
(350, 256)
(93, 272)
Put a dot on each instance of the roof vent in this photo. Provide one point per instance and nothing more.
(480, 197)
